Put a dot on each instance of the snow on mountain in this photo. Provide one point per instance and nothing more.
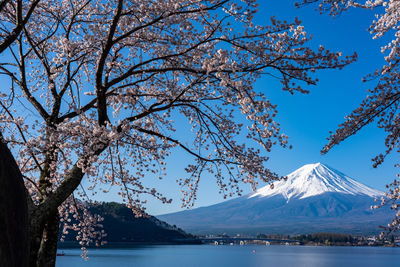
(315, 179)
(314, 198)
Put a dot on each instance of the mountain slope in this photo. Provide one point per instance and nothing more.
(312, 198)
(122, 226)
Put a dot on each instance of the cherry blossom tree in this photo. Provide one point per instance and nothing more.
(100, 91)
(382, 103)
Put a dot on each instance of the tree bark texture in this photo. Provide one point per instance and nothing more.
(14, 245)
(48, 247)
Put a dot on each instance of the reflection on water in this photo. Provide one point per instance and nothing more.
(208, 255)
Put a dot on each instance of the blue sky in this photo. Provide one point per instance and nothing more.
(307, 119)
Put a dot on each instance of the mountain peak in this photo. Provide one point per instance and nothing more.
(315, 179)
(312, 166)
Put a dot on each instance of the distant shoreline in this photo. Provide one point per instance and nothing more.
(71, 244)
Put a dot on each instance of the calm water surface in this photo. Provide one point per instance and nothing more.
(209, 255)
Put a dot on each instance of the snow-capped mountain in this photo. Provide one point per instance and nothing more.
(315, 179)
(313, 198)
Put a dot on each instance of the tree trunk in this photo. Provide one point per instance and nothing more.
(35, 234)
(48, 247)
(43, 242)
(14, 244)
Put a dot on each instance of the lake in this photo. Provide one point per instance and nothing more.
(248, 255)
